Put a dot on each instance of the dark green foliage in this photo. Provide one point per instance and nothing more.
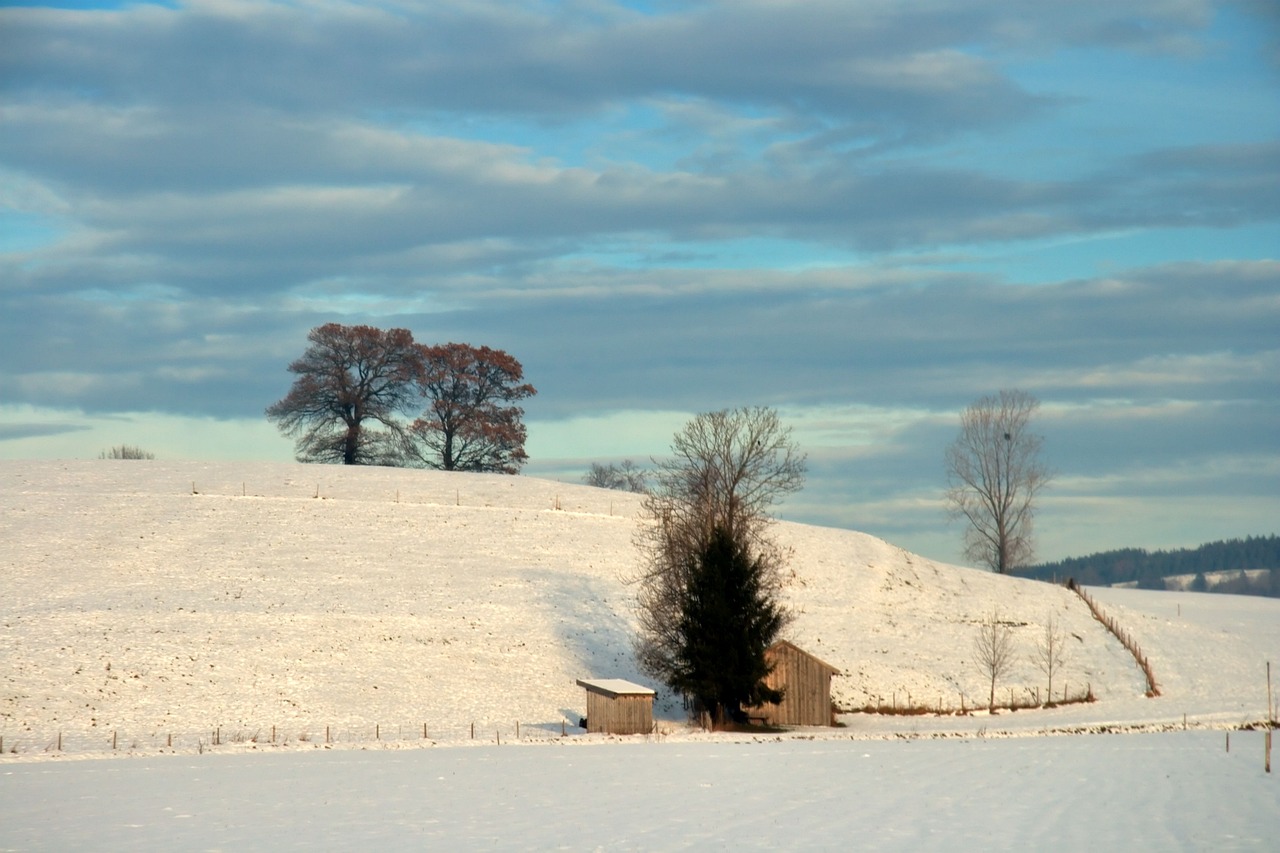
(728, 621)
(1242, 584)
(1150, 568)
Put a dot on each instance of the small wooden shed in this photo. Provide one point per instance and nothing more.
(618, 707)
(806, 684)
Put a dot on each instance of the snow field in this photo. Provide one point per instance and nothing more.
(1174, 791)
(146, 600)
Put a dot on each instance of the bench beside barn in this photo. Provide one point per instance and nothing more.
(806, 684)
(618, 707)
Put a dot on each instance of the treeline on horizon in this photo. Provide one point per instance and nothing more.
(1150, 568)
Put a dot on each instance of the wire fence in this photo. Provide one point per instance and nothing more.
(1126, 639)
(123, 740)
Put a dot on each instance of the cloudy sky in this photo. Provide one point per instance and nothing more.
(865, 213)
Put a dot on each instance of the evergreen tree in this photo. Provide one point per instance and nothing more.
(728, 620)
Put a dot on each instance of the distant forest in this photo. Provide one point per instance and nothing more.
(1149, 568)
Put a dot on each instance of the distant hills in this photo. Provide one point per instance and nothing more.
(1242, 566)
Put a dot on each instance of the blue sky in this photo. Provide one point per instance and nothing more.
(866, 214)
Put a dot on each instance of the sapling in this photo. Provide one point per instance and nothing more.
(1051, 650)
(994, 649)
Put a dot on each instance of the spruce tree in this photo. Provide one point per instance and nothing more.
(728, 619)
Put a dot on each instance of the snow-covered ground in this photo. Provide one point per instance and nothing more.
(1173, 791)
(247, 616)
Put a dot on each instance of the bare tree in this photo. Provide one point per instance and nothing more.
(126, 451)
(350, 378)
(1051, 650)
(726, 471)
(471, 422)
(994, 474)
(625, 477)
(994, 650)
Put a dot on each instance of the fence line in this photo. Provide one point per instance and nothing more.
(317, 489)
(1126, 639)
(943, 704)
(320, 735)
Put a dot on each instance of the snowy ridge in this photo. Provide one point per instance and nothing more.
(231, 601)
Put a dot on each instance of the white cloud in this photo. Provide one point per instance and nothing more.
(864, 214)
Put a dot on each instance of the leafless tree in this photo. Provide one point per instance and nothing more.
(994, 650)
(625, 477)
(726, 471)
(994, 474)
(1051, 650)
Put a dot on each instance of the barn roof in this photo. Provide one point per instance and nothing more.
(613, 687)
(835, 670)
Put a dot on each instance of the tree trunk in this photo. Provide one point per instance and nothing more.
(351, 444)
(446, 454)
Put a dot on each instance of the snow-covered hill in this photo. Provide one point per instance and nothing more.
(144, 600)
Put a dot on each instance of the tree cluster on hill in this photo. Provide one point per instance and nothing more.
(1150, 568)
(355, 382)
(626, 477)
(1241, 583)
(126, 451)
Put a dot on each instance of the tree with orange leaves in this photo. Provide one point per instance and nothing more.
(471, 421)
(352, 382)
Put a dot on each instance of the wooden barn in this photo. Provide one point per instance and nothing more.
(618, 707)
(806, 684)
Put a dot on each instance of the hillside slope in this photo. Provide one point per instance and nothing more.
(154, 598)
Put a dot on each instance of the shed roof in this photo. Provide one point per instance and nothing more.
(612, 687)
(835, 670)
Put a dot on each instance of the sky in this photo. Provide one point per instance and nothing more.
(864, 214)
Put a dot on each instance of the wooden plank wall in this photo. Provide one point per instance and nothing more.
(807, 683)
(622, 715)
